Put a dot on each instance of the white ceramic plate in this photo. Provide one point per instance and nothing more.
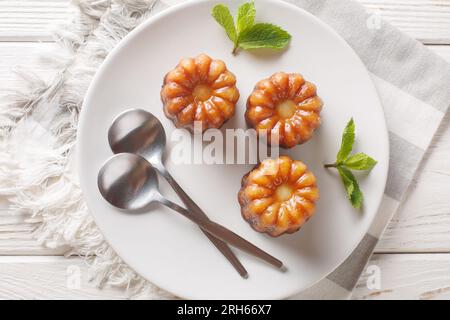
(164, 247)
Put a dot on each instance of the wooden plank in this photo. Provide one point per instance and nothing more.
(425, 20)
(422, 223)
(32, 20)
(405, 276)
(49, 278)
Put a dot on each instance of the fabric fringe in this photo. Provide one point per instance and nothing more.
(37, 141)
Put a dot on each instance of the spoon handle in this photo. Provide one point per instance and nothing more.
(195, 210)
(224, 234)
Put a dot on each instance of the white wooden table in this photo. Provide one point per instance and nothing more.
(413, 256)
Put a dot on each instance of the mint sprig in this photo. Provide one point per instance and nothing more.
(345, 162)
(245, 34)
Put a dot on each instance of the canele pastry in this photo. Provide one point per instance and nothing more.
(199, 89)
(278, 196)
(284, 106)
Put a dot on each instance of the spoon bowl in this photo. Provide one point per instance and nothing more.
(128, 182)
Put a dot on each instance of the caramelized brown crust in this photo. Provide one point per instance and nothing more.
(284, 105)
(278, 196)
(199, 89)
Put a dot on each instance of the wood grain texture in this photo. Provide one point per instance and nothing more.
(426, 20)
(406, 276)
(27, 20)
(423, 222)
(49, 278)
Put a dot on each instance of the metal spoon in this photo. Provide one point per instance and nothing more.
(138, 131)
(128, 181)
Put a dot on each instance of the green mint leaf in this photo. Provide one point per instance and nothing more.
(348, 138)
(245, 17)
(360, 161)
(223, 16)
(247, 35)
(264, 35)
(354, 193)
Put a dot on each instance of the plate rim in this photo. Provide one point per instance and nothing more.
(178, 7)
